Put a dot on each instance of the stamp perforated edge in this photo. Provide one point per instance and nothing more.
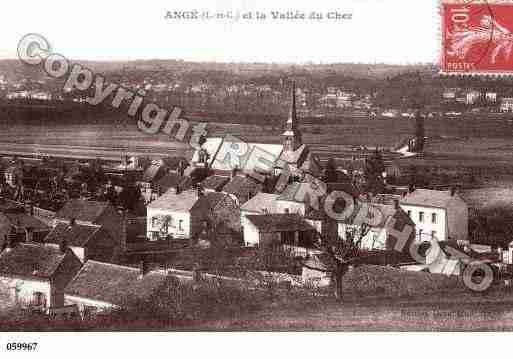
(440, 24)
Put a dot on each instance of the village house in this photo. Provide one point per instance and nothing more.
(184, 214)
(294, 198)
(13, 175)
(290, 201)
(26, 227)
(438, 215)
(87, 241)
(278, 229)
(98, 286)
(262, 203)
(172, 180)
(35, 274)
(376, 224)
(242, 188)
(149, 179)
(214, 183)
(506, 104)
(102, 214)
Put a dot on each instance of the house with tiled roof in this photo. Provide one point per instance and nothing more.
(261, 203)
(242, 188)
(26, 227)
(35, 275)
(214, 183)
(278, 229)
(102, 214)
(102, 286)
(172, 180)
(87, 241)
(183, 215)
(439, 215)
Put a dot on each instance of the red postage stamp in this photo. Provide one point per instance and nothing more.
(477, 37)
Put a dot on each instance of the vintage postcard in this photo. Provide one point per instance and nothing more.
(171, 170)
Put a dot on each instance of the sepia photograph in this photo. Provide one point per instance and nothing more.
(191, 168)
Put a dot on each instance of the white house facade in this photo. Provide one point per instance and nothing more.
(438, 215)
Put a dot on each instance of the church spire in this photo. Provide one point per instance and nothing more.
(292, 135)
(291, 121)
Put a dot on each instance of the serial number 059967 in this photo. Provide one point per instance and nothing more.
(21, 346)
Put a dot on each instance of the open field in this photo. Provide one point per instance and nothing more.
(470, 139)
(483, 145)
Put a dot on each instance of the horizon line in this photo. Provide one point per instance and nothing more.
(280, 63)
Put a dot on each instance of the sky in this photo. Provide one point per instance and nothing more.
(380, 31)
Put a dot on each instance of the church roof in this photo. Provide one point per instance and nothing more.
(294, 157)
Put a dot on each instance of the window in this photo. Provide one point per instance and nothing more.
(421, 217)
(154, 221)
(420, 233)
(433, 217)
(180, 225)
(433, 234)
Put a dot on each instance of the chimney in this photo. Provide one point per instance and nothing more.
(396, 203)
(453, 191)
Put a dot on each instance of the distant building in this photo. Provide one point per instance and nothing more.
(506, 104)
(491, 97)
(438, 215)
(13, 175)
(35, 274)
(472, 97)
(449, 94)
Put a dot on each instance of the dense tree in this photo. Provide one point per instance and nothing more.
(330, 171)
(373, 172)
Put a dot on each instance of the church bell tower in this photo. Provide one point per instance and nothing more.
(292, 136)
